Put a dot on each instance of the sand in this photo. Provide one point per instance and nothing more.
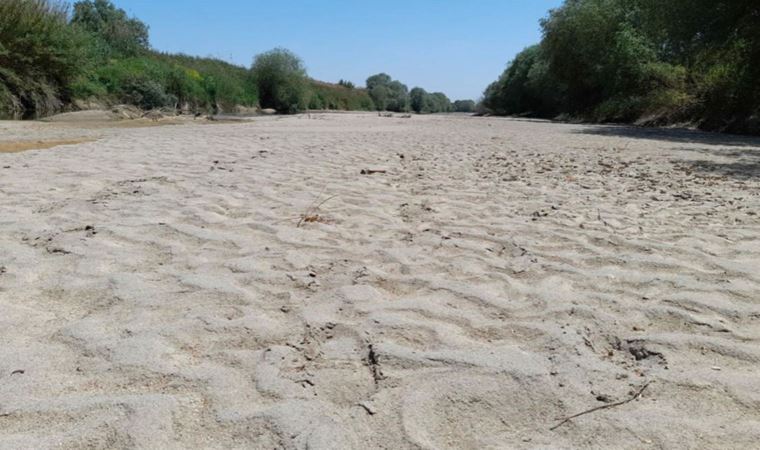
(245, 286)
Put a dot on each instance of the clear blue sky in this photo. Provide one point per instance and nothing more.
(453, 46)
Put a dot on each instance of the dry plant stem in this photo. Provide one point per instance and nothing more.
(598, 408)
(311, 210)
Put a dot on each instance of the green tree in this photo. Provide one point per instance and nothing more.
(388, 94)
(280, 77)
(464, 106)
(381, 79)
(525, 87)
(417, 98)
(120, 34)
(439, 102)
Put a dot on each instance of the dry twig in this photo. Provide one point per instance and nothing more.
(309, 215)
(598, 408)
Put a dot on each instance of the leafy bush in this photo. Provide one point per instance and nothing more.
(145, 93)
(39, 55)
(226, 85)
(339, 97)
(281, 80)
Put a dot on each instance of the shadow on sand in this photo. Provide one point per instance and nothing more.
(732, 156)
(672, 135)
(743, 168)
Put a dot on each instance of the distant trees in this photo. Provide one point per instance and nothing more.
(439, 102)
(52, 56)
(388, 94)
(626, 60)
(464, 106)
(346, 84)
(120, 67)
(338, 97)
(280, 77)
(423, 102)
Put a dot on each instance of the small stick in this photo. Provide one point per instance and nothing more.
(311, 210)
(598, 408)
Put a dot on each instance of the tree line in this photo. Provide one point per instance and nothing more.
(645, 61)
(53, 55)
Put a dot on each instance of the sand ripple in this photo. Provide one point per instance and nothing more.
(244, 286)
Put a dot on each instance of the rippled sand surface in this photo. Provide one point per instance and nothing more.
(246, 286)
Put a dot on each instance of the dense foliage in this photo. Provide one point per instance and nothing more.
(341, 96)
(40, 54)
(641, 60)
(464, 106)
(280, 77)
(422, 101)
(115, 33)
(388, 94)
(52, 56)
(49, 58)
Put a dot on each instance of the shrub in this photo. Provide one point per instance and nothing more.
(281, 80)
(338, 97)
(225, 85)
(40, 54)
(145, 93)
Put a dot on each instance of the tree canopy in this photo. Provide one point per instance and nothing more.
(120, 33)
(388, 94)
(281, 80)
(641, 60)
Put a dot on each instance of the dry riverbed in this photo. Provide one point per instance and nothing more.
(247, 286)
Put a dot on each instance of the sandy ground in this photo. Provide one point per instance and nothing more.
(245, 286)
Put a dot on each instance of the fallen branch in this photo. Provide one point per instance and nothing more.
(599, 408)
